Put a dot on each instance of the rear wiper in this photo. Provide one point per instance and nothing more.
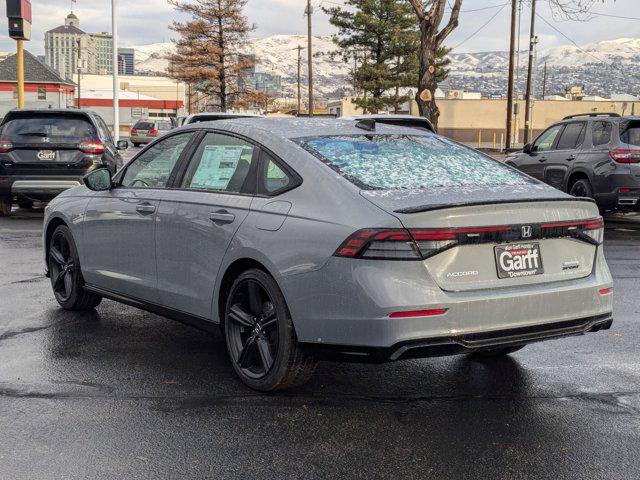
(34, 134)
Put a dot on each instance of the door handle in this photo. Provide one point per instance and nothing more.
(571, 157)
(222, 217)
(145, 208)
(542, 159)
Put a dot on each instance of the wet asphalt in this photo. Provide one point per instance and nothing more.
(121, 393)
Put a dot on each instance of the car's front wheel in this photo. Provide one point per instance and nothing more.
(64, 269)
(5, 207)
(260, 337)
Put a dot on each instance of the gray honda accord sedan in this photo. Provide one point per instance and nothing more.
(328, 239)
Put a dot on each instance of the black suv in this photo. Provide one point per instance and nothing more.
(593, 155)
(43, 152)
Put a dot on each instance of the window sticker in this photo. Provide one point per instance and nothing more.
(217, 166)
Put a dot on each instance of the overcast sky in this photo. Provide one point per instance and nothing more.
(148, 20)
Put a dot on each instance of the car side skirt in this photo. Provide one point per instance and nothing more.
(200, 323)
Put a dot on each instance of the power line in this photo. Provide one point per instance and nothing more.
(481, 27)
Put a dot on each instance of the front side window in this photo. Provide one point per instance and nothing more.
(153, 167)
(221, 163)
(546, 140)
(601, 133)
(408, 162)
(572, 136)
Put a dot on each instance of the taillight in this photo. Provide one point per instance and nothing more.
(134, 131)
(5, 146)
(153, 132)
(592, 230)
(381, 244)
(92, 148)
(606, 291)
(625, 156)
(419, 313)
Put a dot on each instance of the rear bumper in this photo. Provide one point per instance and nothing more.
(141, 138)
(42, 187)
(458, 344)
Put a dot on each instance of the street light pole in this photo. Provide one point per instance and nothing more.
(20, 66)
(532, 45)
(116, 100)
(309, 12)
(299, 78)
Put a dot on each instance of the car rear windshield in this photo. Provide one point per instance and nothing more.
(144, 126)
(391, 162)
(57, 129)
(630, 133)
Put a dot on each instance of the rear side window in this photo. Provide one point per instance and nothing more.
(601, 133)
(391, 162)
(164, 125)
(274, 178)
(572, 136)
(630, 133)
(56, 129)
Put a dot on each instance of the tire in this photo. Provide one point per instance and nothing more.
(26, 204)
(260, 337)
(66, 277)
(5, 208)
(136, 144)
(497, 352)
(581, 188)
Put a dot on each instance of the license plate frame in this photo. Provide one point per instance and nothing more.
(518, 260)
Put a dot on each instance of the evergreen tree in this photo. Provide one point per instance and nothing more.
(383, 39)
(208, 54)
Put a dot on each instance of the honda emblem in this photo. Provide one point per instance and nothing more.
(526, 231)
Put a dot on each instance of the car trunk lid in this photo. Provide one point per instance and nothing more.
(495, 238)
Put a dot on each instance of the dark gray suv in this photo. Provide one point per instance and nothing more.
(593, 155)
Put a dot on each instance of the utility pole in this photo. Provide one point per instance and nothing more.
(532, 46)
(116, 87)
(512, 47)
(299, 48)
(309, 12)
(544, 81)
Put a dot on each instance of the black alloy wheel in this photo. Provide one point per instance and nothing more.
(260, 337)
(64, 269)
(253, 329)
(581, 188)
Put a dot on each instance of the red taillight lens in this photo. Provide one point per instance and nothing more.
(134, 131)
(592, 230)
(153, 132)
(419, 313)
(606, 291)
(92, 148)
(5, 146)
(389, 244)
(625, 156)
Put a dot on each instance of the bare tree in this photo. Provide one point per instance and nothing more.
(209, 51)
(431, 15)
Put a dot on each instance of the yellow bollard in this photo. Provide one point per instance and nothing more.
(495, 139)
(479, 138)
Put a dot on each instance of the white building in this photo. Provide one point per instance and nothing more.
(69, 49)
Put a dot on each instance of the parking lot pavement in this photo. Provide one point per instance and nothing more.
(120, 393)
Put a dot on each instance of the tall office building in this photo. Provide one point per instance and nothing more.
(104, 47)
(126, 61)
(69, 49)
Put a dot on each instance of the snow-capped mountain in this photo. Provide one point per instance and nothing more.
(606, 67)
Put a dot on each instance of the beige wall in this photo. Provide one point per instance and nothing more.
(467, 120)
(162, 88)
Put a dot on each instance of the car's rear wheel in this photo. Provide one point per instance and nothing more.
(260, 337)
(497, 352)
(136, 144)
(581, 188)
(5, 207)
(66, 277)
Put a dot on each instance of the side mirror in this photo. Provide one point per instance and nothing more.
(528, 149)
(99, 180)
(122, 145)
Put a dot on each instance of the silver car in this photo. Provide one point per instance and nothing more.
(315, 239)
(146, 131)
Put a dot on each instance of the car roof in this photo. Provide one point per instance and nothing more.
(23, 112)
(290, 128)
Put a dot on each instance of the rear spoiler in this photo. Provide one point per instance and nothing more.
(441, 206)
